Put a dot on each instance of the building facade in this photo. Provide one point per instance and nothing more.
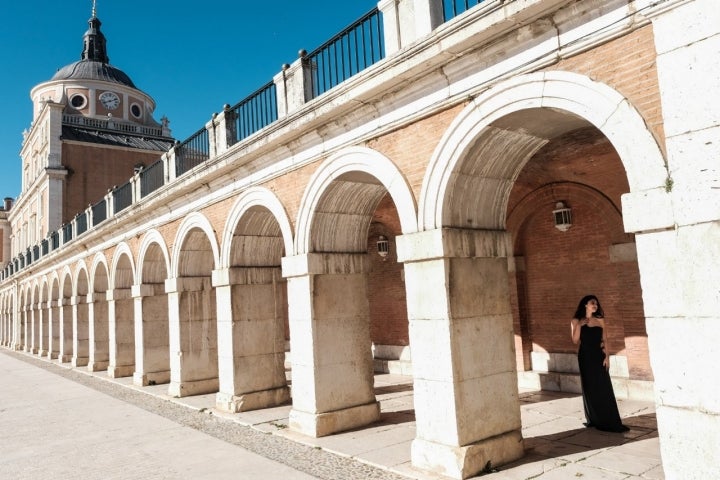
(440, 213)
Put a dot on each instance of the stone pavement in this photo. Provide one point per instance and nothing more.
(53, 426)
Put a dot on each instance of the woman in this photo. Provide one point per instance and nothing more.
(588, 328)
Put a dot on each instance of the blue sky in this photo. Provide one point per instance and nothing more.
(191, 57)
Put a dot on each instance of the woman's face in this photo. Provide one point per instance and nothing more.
(591, 306)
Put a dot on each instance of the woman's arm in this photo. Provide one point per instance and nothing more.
(603, 345)
(575, 326)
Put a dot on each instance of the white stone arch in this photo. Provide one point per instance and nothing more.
(355, 159)
(193, 221)
(98, 260)
(256, 196)
(121, 250)
(65, 273)
(151, 237)
(80, 267)
(595, 102)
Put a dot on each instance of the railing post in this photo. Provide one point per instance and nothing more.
(109, 204)
(169, 164)
(222, 131)
(408, 20)
(294, 85)
(135, 187)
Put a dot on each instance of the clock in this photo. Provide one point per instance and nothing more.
(109, 100)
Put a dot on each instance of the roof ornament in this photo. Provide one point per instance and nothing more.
(94, 9)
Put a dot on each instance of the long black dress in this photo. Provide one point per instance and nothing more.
(601, 409)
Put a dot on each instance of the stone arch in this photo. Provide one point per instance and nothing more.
(267, 211)
(151, 304)
(99, 353)
(121, 313)
(193, 334)
(122, 270)
(480, 130)
(359, 172)
(192, 232)
(65, 294)
(252, 303)
(54, 315)
(153, 241)
(81, 321)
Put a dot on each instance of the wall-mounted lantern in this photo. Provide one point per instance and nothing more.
(563, 216)
(383, 246)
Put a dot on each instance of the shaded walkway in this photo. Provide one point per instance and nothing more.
(557, 445)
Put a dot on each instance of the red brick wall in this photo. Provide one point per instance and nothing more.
(93, 170)
(386, 288)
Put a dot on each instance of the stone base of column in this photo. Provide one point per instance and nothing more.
(98, 366)
(228, 402)
(151, 378)
(121, 371)
(63, 358)
(33, 351)
(52, 355)
(322, 424)
(469, 460)
(80, 361)
(42, 353)
(196, 387)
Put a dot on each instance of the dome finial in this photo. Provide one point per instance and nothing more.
(94, 48)
(94, 9)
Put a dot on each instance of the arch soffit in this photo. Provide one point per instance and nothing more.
(98, 261)
(355, 159)
(254, 197)
(193, 221)
(595, 102)
(65, 277)
(80, 269)
(122, 250)
(152, 237)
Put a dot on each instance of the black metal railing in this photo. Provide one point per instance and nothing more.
(67, 232)
(44, 247)
(122, 197)
(453, 8)
(99, 212)
(354, 49)
(192, 152)
(54, 240)
(152, 178)
(81, 224)
(253, 113)
(36, 252)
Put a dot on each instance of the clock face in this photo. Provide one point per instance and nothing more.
(109, 100)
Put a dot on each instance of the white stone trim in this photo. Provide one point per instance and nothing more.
(152, 236)
(192, 221)
(593, 101)
(255, 196)
(358, 159)
(80, 267)
(122, 249)
(98, 259)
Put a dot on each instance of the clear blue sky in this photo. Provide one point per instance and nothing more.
(191, 57)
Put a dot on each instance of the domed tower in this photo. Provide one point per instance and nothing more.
(91, 129)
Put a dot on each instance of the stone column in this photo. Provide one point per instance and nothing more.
(152, 349)
(332, 366)
(677, 232)
(251, 338)
(98, 330)
(461, 333)
(34, 338)
(121, 336)
(193, 336)
(54, 330)
(65, 349)
(81, 332)
(43, 326)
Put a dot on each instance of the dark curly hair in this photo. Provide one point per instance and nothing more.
(580, 312)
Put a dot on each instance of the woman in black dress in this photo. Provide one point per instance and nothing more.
(588, 329)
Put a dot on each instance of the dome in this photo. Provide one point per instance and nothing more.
(94, 63)
(93, 70)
